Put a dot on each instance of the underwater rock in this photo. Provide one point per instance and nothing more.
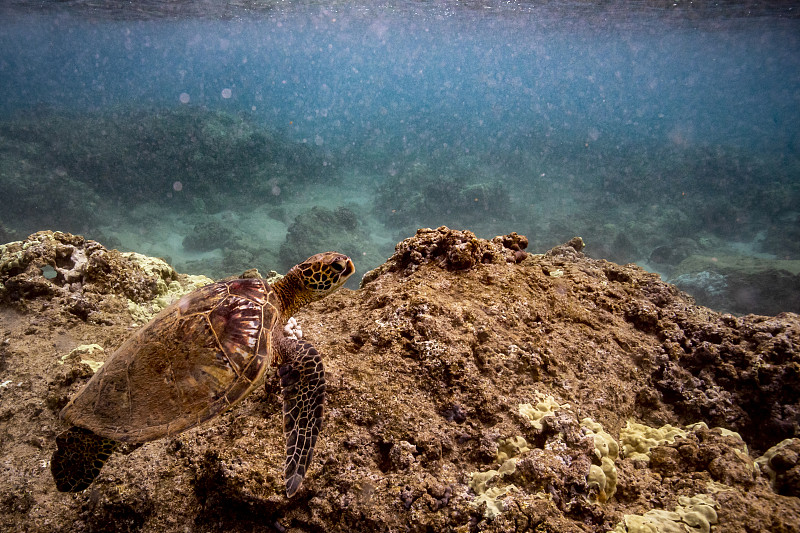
(707, 287)
(781, 464)
(741, 284)
(207, 236)
(450, 249)
(427, 368)
(457, 195)
(783, 239)
(674, 252)
(49, 264)
(80, 274)
(718, 452)
(320, 228)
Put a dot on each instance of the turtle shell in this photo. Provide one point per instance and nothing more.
(194, 360)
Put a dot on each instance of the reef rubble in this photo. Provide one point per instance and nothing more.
(472, 386)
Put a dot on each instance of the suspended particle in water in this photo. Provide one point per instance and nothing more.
(184, 98)
(226, 93)
(177, 186)
(276, 191)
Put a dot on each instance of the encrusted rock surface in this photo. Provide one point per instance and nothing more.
(83, 277)
(450, 250)
(458, 357)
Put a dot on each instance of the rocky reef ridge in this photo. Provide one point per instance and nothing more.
(472, 386)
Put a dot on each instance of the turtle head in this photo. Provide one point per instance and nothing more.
(321, 274)
(313, 279)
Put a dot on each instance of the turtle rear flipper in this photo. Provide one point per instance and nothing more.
(303, 383)
(79, 458)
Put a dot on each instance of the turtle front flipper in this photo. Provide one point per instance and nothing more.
(303, 383)
(79, 458)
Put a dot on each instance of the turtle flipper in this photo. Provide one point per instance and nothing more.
(303, 384)
(79, 458)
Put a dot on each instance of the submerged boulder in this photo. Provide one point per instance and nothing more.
(458, 195)
(741, 284)
(59, 268)
(321, 229)
(210, 235)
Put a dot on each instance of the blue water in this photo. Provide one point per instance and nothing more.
(376, 75)
(590, 118)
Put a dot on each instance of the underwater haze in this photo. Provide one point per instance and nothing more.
(224, 137)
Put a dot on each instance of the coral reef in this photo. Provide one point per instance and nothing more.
(455, 194)
(80, 273)
(189, 157)
(471, 389)
(324, 229)
(208, 236)
(741, 284)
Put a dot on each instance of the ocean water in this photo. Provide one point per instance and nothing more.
(224, 136)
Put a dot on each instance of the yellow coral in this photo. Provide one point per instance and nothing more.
(692, 515)
(638, 439)
(511, 447)
(602, 479)
(492, 496)
(545, 406)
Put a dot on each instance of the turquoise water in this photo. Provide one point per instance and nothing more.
(223, 138)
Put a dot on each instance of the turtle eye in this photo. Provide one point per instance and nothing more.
(338, 267)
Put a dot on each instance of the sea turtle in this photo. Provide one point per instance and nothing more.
(197, 358)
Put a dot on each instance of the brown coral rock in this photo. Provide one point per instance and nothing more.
(451, 250)
(427, 365)
(77, 266)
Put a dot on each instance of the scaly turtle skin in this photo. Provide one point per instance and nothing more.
(198, 358)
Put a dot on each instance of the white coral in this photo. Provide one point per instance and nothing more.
(292, 329)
